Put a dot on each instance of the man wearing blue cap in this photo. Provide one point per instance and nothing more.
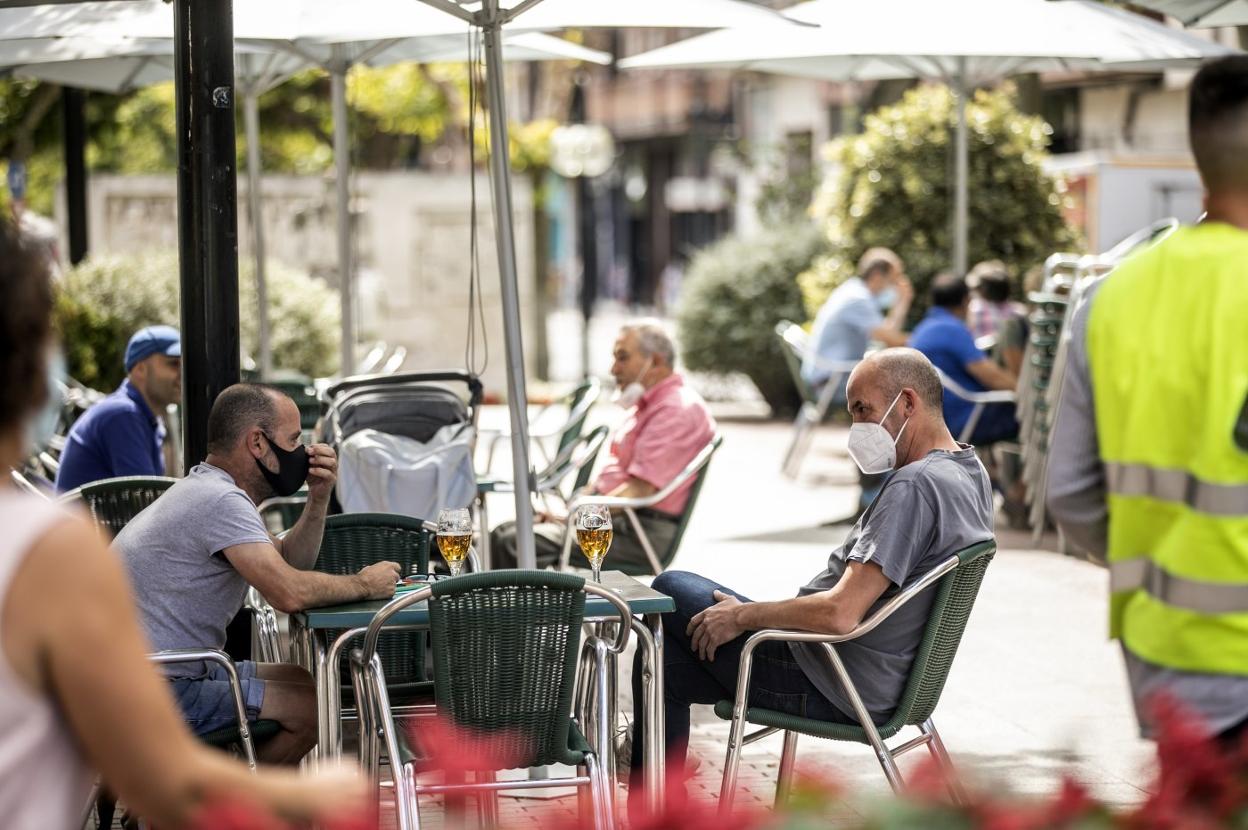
(122, 435)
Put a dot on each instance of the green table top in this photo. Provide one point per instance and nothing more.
(641, 599)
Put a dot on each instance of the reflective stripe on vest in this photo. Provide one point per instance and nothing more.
(1192, 594)
(1178, 486)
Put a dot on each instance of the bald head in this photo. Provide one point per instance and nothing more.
(877, 381)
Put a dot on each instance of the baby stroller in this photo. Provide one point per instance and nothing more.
(405, 442)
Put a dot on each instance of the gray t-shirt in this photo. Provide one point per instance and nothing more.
(186, 590)
(926, 511)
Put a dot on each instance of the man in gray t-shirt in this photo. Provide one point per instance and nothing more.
(192, 554)
(937, 502)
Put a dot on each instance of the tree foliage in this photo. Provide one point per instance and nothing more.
(734, 294)
(106, 299)
(893, 187)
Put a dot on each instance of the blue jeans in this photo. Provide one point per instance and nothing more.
(207, 702)
(776, 682)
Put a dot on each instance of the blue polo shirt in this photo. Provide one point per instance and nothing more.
(119, 436)
(949, 344)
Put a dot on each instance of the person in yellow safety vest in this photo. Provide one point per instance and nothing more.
(1144, 470)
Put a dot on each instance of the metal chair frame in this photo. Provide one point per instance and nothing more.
(377, 726)
(580, 401)
(978, 399)
(814, 408)
(630, 506)
(887, 756)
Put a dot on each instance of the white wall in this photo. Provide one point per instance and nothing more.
(412, 244)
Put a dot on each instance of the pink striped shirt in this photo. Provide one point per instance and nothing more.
(662, 434)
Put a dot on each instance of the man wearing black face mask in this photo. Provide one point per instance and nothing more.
(194, 552)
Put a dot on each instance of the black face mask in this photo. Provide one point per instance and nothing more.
(292, 469)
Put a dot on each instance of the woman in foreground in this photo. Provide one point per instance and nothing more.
(77, 694)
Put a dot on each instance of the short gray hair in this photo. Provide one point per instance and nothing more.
(903, 368)
(652, 339)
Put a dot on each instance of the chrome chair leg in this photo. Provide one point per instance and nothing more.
(784, 781)
(487, 800)
(937, 747)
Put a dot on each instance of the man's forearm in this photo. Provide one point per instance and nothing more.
(816, 613)
(302, 544)
(897, 316)
(312, 589)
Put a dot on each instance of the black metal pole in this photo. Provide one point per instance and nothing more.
(586, 236)
(207, 211)
(588, 245)
(73, 102)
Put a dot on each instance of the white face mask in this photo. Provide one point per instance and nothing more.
(631, 393)
(871, 446)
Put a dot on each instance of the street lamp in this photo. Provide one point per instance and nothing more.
(584, 152)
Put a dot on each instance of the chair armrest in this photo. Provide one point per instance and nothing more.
(700, 460)
(621, 608)
(994, 396)
(866, 626)
(836, 367)
(193, 655)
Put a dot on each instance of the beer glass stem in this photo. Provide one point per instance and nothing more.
(597, 569)
(456, 567)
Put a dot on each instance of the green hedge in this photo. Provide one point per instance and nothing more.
(734, 294)
(107, 298)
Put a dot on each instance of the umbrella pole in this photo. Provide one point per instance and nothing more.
(961, 159)
(500, 174)
(251, 124)
(342, 170)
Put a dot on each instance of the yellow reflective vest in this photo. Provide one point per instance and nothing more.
(1168, 356)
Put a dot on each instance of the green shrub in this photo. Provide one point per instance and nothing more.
(107, 298)
(894, 188)
(734, 294)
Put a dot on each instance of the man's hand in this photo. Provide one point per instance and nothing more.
(379, 579)
(322, 471)
(714, 626)
(905, 290)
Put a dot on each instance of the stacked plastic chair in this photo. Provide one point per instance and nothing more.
(1067, 278)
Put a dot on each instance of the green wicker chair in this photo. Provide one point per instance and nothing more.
(657, 560)
(956, 582)
(355, 540)
(113, 502)
(505, 647)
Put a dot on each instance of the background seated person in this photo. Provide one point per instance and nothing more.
(666, 426)
(993, 313)
(194, 551)
(942, 335)
(853, 316)
(123, 434)
(937, 502)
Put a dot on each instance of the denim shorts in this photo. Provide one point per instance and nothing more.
(207, 702)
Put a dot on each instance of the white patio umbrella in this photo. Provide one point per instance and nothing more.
(961, 42)
(125, 44)
(1202, 13)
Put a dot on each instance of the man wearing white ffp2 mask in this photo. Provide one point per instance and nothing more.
(937, 501)
(872, 446)
(665, 426)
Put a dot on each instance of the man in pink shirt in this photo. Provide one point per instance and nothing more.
(667, 424)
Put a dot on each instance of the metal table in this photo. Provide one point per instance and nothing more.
(310, 648)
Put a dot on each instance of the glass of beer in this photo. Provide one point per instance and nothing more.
(593, 534)
(454, 537)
